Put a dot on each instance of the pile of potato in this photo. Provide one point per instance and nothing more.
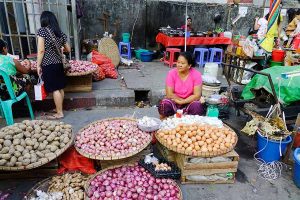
(198, 139)
(30, 142)
(70, 184)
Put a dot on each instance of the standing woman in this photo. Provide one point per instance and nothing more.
(49, 61)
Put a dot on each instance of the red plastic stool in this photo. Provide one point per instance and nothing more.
(171, 52)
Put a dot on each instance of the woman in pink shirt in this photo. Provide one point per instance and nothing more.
(183, 89)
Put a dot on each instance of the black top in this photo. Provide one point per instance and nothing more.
(51, 55)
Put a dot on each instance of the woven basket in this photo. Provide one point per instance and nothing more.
(42, 186)
(98, 157)
(80, 74)
(108, 47)
(87, 184)
(40, 163)
(198, 154)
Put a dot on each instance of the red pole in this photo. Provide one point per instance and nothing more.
(271, 1)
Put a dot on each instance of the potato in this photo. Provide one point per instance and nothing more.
(19, 136)
(41, 146)
(27, 134)
(53, 148)
(2, 135)
(51, 128)
(1, 141)
(39, 154)
(55, 143)
(29, 142)
(45, 142)
(27, 156)
(50, 155)
(33, 158)
(4, 150)
(3, 162)
(0, 146)
(11, 150)
(36, 145)
(17, 154)
(32, 152)
(51, 137)
(26, 162)
(7, 143)
(66, 140)
(68, 126)
(42, 138)
(8, 137)
(34, 140)
(16, 141)
(6, 156)
(46, 132)
(43, 160)
(17, 130)
(62, 145)
(19, 164)
(37, 135)
(59, 134)
(29, 148)
(13, 160)
(9, 164)
(10, 132)
(23, 143)
(57, 139)
(37, 130)
(20, 159)
(22, 126)
(19, 148)
(57, 129)
(29, 129)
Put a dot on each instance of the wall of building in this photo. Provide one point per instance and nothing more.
(149, 15)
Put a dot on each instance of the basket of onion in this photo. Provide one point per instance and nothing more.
(111, 139)
(201, 140)
(80, 68)
(130, 182)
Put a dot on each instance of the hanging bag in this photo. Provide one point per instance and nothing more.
(40, 93)
(65, 61)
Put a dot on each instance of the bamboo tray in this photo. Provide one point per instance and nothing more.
(39, 163)
(43, 186)
(87, 184)
(98, 157)
(199, 154)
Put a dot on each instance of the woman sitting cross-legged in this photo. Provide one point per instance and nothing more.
(183, 89)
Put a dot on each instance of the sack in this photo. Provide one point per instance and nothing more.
(40, 93)
(71, 160)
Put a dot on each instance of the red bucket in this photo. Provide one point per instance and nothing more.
(278, 55)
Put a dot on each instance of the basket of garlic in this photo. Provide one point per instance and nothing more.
(149, 124)
(201, 136)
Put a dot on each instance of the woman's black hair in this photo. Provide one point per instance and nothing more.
(49, 19)
(291, 14)
(2, 45)
(189, 57)
(267, 16)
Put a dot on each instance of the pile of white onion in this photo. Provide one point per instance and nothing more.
(109, 138)
(131, 182)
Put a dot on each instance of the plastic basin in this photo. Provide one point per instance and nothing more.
(138, 53)
(296, 175)
(269, 149)
(278, 55)
(146, 56)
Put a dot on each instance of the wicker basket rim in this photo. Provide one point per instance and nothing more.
(86, 186)
(205, 155)
(94, 157)
(22, 168)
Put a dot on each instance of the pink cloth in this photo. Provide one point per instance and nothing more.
(183, 89)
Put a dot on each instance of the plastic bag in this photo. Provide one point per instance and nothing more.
(71, 160)
(109, 70)
(99, 58)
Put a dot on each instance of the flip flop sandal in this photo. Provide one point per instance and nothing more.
(54, 117)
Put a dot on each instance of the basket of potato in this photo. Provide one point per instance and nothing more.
(198, 139)
(69, 186)
(30, 144)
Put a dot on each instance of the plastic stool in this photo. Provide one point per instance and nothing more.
(171, 61)
(216, 55)
(203, 56)
(124, 49)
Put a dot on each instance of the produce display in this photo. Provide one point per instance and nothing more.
(111, 139)
(131, 182)
(79, 66)
(198, 139)
(162, 167)
(69, 186)
(30, 144)
(171, 123)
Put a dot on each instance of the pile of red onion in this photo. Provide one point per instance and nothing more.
(110, 138)
(132, 182)
(79, 66)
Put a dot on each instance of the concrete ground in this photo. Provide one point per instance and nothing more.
(248, 184)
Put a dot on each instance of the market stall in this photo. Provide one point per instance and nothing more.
(169, 41)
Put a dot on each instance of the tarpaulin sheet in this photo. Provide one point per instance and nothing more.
(289, 88)
(179, 41)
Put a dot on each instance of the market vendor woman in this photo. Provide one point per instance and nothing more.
(183, 89)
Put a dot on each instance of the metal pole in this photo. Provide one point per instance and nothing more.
(74, 19)
(185, 35)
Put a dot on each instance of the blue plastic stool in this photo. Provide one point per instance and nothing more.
(203, 56)
(216, 55)
(124, 49)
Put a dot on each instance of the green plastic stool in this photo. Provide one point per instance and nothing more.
(212, 111)
(6, 106)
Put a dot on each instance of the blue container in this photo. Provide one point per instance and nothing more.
(146, 56)
(271, 151)
(126, 37)
(297, 167)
